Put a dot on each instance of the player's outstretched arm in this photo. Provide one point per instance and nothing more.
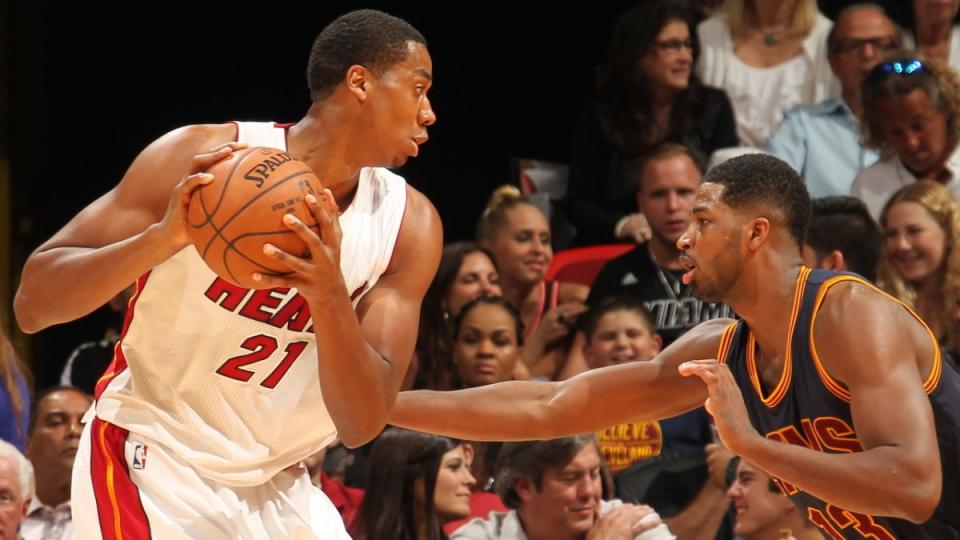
(123, 234)
(876, 358)
(594, 400)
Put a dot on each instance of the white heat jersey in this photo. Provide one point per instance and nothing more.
(226, 377)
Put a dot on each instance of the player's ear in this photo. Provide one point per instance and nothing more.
(359, 80)
(759, 229)
(835, 261)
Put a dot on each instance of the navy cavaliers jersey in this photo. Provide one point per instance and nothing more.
(809, 408)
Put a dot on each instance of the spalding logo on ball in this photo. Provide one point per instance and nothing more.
(232, 217)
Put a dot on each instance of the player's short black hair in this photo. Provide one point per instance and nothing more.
(844, 224)
(761, 179)
(365, 37)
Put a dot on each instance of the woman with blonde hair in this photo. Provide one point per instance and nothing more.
(920, 265)
(769, 57)
(518, 235)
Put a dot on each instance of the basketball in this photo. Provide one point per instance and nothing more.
(232, 217)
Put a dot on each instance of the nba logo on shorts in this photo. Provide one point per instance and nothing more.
(140, 457)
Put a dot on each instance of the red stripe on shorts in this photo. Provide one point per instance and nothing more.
(118, 500)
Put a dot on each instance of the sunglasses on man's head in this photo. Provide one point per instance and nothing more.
(910, 66)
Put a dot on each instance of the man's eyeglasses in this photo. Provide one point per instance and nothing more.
(879, 44)
(673, 45)
(909, 66)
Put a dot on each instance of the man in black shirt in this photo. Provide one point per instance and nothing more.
(669, 178)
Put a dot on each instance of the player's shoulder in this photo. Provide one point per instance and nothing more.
(419, 211)
(846, 301)
(855, 314)
(192, 139)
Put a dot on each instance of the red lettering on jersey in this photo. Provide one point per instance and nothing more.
(262, 298)
(821, 433)
(837, 519)
(295, 315)
(264, 305)
(226, 294)
(790, 435)
(835, 434)
(811, 434)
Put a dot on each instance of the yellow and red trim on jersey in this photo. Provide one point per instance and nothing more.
(726, 338)
(783, 385)
(836, 387)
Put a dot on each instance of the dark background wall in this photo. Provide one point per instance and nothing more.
(90, 84)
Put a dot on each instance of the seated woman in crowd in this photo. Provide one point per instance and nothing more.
(416, 483)
(920, 265)
(647, 95)
(488, 343)
(769, 57)
(518, 235)
(466, 271)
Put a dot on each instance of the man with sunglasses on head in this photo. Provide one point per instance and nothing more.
(911, 115)
(822, 142)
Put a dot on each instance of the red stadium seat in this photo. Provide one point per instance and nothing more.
(581, 265)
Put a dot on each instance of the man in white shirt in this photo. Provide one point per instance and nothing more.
(553, 488)
(912, 116)
(822, 141)
(52, 442)
(16, 489)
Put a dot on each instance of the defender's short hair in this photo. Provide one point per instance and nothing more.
(761, 179)
(366, 37)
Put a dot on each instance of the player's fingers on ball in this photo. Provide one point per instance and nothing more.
(192, 182)
(329, 229)
(292, 261)
(334, 211)
(268, 281)
(301, 229)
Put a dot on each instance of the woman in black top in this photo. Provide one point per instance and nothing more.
(647, 95)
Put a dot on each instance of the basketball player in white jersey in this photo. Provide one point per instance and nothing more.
(216, 393)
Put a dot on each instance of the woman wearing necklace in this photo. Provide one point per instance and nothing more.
(769, 56)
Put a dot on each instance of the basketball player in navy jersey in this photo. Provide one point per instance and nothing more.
(832, 387)
(217, 392)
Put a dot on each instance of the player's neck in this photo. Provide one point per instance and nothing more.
(325, 150)
(764, 299)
